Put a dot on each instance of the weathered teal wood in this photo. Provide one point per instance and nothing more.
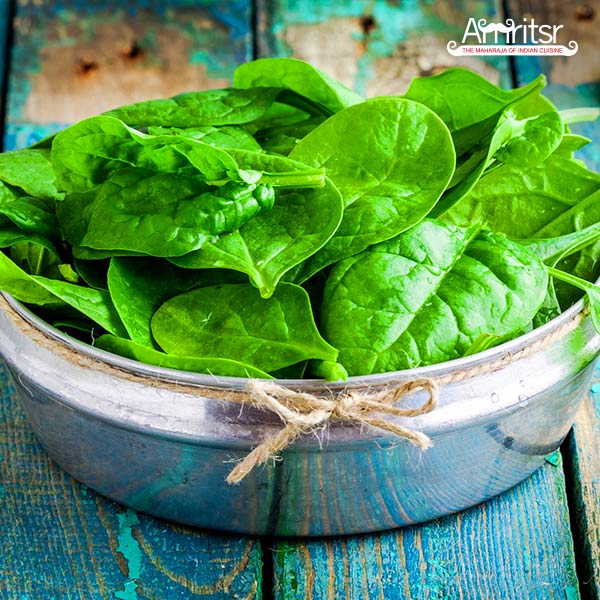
(583, 462)
(72, 59)
(62, 541)
(375, 47)
(515, 546)
(5, 30)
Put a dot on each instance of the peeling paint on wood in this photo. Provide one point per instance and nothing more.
(516, 546)
(71, 60)
(378, 47)
(61, 540)
(584, 464)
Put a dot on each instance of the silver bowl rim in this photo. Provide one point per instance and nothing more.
(240, 383)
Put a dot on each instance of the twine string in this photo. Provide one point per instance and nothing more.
(303, 413)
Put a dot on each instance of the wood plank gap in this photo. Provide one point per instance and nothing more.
(512, 63)
(254, 28)
(584, 558)
(267, 547)
(7, 15)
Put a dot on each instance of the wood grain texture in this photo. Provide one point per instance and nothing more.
(515, 546)
(5, 35)
(584, 470)
(63, 541)
(374, 47)
(73, 59)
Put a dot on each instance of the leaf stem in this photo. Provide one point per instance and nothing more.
(579, 115)
(294, 99)
(311, 178)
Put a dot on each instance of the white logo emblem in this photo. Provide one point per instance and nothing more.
(525, 39)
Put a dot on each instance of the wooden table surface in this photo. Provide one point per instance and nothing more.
(68, 59)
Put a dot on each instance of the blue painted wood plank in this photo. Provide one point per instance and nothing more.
(515, 546)
(5, 35)
(583, 461)
(62, 541)
(72, 59)
(375, 47)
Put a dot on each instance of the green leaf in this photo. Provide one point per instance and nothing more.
(233, 321)
(521, 202)
(138, 287)
(11, 236)
(199, 109)
(533, 140)
(20, 285)
(519, 142)
(297, 76)
(274, 242)
(282, 139)
(30, 170)
(591, 290)
(222, 137)
(159, 214)
(34, 289)
(468, 103)
(427, 295)
(31, 215)
(86, 153)
(391, 159)
(223, 367)
(552, 250)
(95, 304)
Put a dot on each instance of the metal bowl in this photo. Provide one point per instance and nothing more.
(163, 441)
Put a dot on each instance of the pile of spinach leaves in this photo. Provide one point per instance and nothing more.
(288, 228)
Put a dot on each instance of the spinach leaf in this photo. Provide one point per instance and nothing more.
(297, 76)
(93, 272)
(391, 159)
(86, 153)
(282, 139)
(34, 289)
(521, 201)
(224, 367)
(468, 103)
(274, 242)
(520, 142)
(222, 137)
(533, 140)
(234, 322)
(139, 286)
(32, 215)
(199, 109)
(591, 290)
(33, 253)
(550, 308)
(30, 170)
(20, 285)
(427, 295)
(552, 250)
(159, 214)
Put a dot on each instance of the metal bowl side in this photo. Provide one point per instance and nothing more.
(163, 442)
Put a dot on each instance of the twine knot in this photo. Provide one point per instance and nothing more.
(303, 413)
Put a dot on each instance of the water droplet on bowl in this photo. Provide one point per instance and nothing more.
(495, 398)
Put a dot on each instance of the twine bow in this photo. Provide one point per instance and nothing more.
(302, 413)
